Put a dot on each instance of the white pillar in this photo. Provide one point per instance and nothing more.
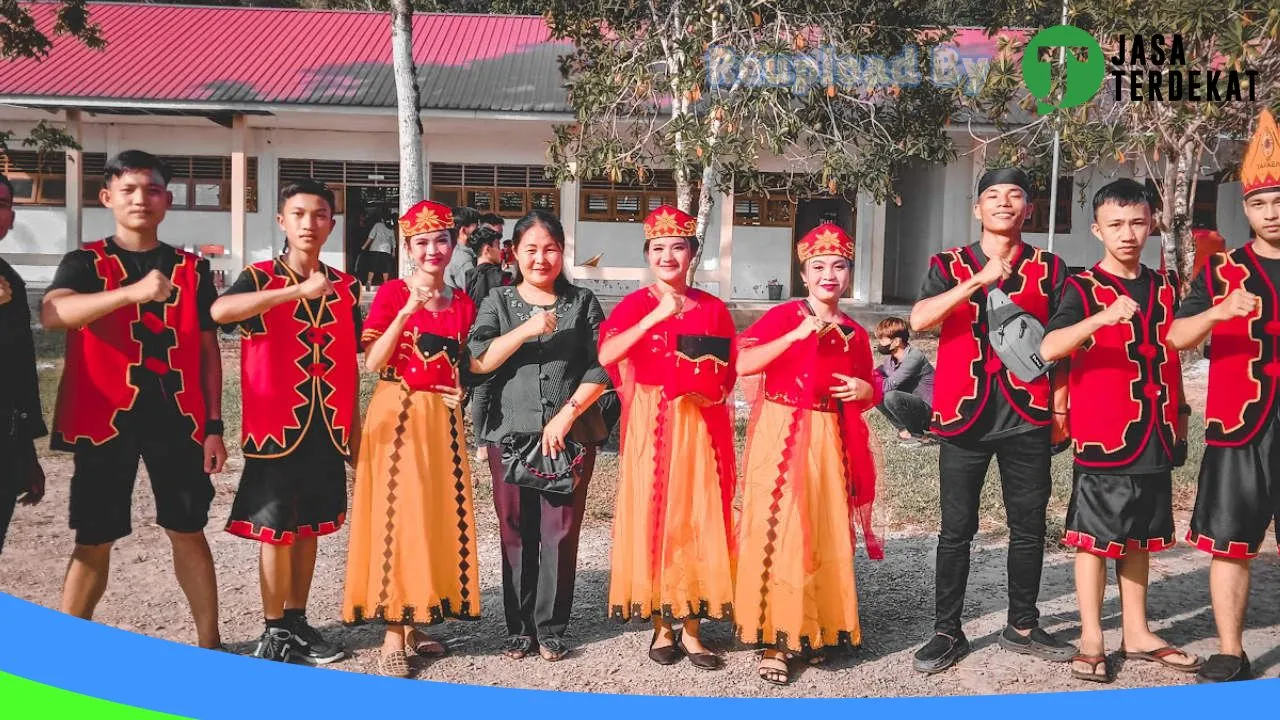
(426, 166)
(725, 266)
(569, 218)
(864, 247)
(74, 174)
(239, 188)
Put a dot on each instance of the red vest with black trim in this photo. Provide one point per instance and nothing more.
(1124, 382)
(298, 366)
(1244, 359)
(108, 358)
(968, 369)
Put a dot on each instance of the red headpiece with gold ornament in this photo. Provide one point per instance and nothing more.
(826, 239)
(1261, 167)
(666, 222)
(426, 217)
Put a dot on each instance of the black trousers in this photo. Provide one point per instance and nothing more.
(906, 411)
(539, 535)
(12, 481)
(1023, 461)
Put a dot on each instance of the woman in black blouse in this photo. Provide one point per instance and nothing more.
(536, 340)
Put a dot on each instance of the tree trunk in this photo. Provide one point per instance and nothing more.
(410, 125)
(704, 212)
(1180, 228)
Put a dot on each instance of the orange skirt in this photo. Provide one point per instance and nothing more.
(694, 578)
(782, 600)
(412, 554)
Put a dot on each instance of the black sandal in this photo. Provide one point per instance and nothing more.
(702, 660)
(518, 646)
(667, 654)
(552, 649)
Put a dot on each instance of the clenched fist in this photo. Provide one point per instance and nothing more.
(1240, 303)
(316, 285)
(155, 287)
(996, 270)
(1119, 311)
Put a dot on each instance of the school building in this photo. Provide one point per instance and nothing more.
(242, 100)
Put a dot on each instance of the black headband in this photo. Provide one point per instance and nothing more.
(1005, 176)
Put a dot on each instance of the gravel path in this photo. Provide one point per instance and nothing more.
(895, 596)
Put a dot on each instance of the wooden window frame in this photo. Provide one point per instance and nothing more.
(1038, 220)
(660, 190)
(44, 171)
(502, 183)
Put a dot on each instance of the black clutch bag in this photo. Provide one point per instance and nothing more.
(528, 467)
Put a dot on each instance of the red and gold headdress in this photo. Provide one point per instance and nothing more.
(1261, 167)
(666, 222)
(826, 239)
(426, 217)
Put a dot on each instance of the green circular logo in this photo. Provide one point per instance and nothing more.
(1083, 78)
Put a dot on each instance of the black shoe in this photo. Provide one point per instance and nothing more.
(668, 655)
(1039, 643)
(940, 653)
(310, 646)
(275, 644)
(1225, 668)
(702, 660)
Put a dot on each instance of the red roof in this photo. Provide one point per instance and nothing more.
(268, 56)
(236, 58)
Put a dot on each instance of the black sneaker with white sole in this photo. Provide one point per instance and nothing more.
(275, 644)
(309, 645)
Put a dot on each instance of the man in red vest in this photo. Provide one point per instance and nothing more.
(142, 380)
(1126, 420)
(299, 324)
(1233, 303)
(981, 409)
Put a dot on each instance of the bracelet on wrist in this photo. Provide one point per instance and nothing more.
(214, 427)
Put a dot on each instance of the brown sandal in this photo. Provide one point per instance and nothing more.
(1159, 654)
(417, 642)
(393, 664)
(1093, 661)
(777, 671)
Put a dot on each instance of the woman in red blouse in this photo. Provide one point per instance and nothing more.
(412, 555)
(668, 348)
(809, 471)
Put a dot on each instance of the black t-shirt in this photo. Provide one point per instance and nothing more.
(999, 419)
(1199, 298)
(245, 284)
(20, 415)
(1154, 458)
(77, 272)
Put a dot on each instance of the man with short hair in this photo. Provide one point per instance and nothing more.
(493, 222)
(982, 410)
(1233, 302)
(486, 243)
(906, 377)
(21, 420)
(142, 381)
(465, 222)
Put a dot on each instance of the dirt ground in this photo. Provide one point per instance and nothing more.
(895, 604)
(895, 599)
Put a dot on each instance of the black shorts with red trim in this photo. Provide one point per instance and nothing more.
(1113, 515)
(103, 480)
(1238, 496)
(299, 495)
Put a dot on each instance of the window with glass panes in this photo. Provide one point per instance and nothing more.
(511, 191)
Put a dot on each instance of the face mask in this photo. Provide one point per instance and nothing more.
(884, 349)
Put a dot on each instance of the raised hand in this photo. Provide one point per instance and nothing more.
(154, 287)
(542, 323)
(316, 285)
(1119, 311)
(996, 270)
(1240, 303)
